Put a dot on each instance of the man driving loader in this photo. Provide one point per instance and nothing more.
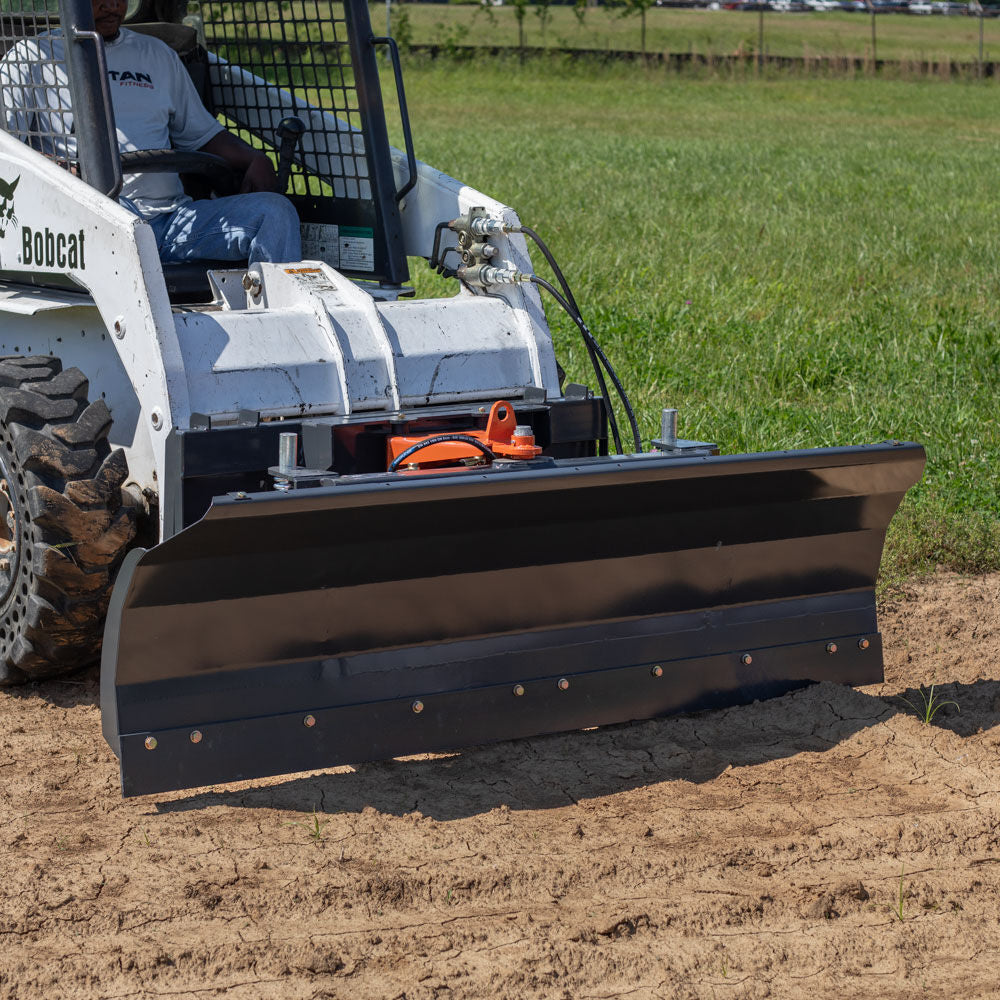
(157, 107)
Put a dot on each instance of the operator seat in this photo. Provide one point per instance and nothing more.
(187, 281)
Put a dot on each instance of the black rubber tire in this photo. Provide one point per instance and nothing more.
(65, 512)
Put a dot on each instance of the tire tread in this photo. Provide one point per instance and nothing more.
(69, 485)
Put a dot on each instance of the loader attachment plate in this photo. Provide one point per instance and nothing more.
(406, 614)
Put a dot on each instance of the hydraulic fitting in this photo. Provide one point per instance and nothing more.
(473, 230)
(485, 226)
(479, 251)
(477, 222)
(487, 274)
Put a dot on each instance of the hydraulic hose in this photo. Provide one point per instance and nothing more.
(588, 342)
(598, 359)
(436, 254)
(439, 439)
(556, 270)
(593, 347)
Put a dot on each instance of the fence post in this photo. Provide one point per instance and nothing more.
(871, 8)
(979, 12)
(760, 37)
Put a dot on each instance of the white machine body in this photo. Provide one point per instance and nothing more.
(304, 339)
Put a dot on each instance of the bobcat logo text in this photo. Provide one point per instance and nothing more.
(44, 248)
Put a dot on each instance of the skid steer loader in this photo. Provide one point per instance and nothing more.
(306, 519)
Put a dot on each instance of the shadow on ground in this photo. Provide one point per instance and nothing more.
(551, 771)
(965, 709)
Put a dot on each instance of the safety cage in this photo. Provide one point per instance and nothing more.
(258, 66)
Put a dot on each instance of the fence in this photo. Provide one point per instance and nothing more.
(866, 40)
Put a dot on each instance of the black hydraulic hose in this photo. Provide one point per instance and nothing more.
(439, 439)
(620, 389)
(588, 342)
(447, 271)
(556, 270)
(435, 250)
(577, 316)
(567, 301)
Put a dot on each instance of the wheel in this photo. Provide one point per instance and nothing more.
(64, 527)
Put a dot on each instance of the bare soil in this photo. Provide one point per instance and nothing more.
(824, 844)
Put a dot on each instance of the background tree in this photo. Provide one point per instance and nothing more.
(401, 27)
(630, 8)
(544, 14)
(520, 12)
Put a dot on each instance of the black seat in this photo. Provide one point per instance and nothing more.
(187, 282)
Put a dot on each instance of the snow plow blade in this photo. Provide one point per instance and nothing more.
(295, 631)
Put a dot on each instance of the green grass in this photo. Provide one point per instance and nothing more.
(791, 263)
(722, 32)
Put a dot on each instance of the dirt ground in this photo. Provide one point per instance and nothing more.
(825, 844)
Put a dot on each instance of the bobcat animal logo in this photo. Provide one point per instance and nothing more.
(7, 216)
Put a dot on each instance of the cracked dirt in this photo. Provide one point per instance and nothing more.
(825, 844)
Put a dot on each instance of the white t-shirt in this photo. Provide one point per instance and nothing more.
(156, 107)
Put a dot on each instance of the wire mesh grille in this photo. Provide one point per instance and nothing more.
(35, 102)
(301, 46)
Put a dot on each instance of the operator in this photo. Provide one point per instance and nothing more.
(157, 107)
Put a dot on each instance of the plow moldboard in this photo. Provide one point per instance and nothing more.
(400, 616)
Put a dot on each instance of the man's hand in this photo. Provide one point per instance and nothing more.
(258, 172)
(259, 175)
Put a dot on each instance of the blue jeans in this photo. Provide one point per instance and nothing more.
(260, 226)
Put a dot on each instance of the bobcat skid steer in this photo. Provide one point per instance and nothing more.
(305, 519)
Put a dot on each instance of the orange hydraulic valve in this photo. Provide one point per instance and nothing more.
(503, 438)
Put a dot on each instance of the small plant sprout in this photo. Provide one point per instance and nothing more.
(929, 705)
(898, 909)
(314, 827)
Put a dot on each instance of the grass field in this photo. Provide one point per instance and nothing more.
(838, 34)
(790, 263)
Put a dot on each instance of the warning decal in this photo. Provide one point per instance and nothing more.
(321, 242)
(357, 249)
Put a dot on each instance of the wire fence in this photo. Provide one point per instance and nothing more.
(860, 36)
(746, 64)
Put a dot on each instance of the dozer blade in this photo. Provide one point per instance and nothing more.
(293, 631)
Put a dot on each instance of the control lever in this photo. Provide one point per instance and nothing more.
(289, 132)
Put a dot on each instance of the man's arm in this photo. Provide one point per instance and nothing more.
(258, 172)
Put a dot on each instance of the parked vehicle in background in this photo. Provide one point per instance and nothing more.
(939, 7)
